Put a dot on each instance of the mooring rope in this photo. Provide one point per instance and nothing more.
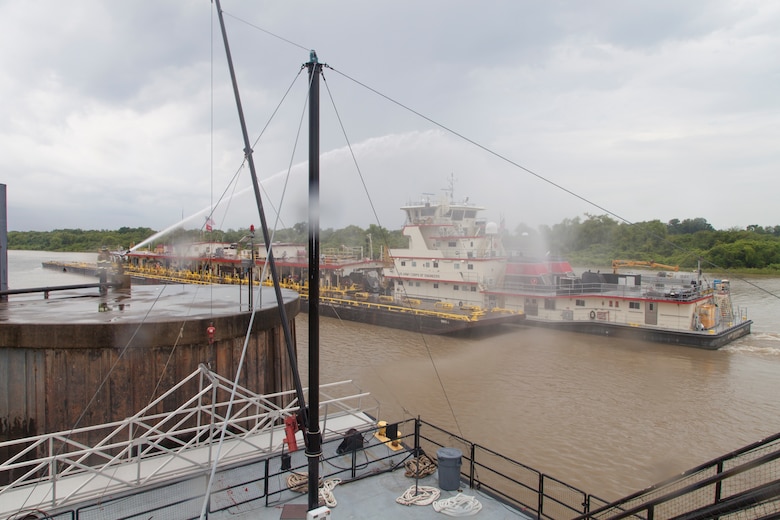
(419, 496)
(419, 467)
(459, 505)
(299, 482)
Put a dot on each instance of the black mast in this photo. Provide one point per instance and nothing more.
(313, 448)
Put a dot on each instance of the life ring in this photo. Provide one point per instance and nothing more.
(593, 315)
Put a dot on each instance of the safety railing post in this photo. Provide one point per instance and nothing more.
(354, 463)
(267, 470)
(719, 483)
(53, 472)
(472, 466)
(417, 425)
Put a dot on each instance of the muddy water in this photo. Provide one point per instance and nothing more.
(606, 415)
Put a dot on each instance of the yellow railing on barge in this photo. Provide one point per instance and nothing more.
(328, 295)
(184, 276)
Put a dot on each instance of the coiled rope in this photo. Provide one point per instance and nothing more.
(299, 482)
(459, 505)
(419, 467)
(419, 496)
(326, 492)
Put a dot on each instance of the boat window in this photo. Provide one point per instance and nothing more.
(414, 264)
(457, 214)
(455, 288)
(435, 264)
(471, 266)
(451, 244)
(580, 303)
(633, 305)
(549, 304)
(457, 265)
(471, 213)
(435, 285)
(473, 288)
(403, 262)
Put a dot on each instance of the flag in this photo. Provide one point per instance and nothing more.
(209, 224)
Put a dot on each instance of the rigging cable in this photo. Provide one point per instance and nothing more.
(500, 156)
(540, 176)
(376, 216)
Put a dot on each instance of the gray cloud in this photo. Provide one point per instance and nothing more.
(114, 114)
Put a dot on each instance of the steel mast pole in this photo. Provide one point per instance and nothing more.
(313, 444)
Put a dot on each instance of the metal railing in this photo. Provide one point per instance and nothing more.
(153, 447)
(522, 487)
(744, 484)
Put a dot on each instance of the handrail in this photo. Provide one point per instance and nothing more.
(152, 446)
(723, 482)
(731, 488)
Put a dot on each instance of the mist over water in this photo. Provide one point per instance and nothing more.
(606, 415)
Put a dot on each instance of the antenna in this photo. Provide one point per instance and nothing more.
(450, 189)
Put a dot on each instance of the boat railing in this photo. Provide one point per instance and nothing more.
(468, 313)
(524, 488)
(518, 486)
(153, 446)
(669, 292)
(742, 484)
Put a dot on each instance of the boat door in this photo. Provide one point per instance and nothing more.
(651, 313)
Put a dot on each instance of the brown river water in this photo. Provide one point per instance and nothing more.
(606, 415)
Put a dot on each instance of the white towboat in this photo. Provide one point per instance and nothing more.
(457, 258)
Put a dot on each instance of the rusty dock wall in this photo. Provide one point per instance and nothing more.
(86, 359)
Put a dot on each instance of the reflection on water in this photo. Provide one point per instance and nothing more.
(609, 416)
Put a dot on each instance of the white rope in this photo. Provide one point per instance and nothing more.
(299, 482)
(459, 505)
(425, 496)
(326, 492)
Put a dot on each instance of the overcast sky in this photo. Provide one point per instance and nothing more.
(122, 114)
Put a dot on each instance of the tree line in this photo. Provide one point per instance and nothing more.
(599, 239)
(77, 240)
(592, 240)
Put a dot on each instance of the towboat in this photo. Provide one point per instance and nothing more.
(457, 257)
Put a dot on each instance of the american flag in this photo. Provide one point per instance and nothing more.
(209, 223)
